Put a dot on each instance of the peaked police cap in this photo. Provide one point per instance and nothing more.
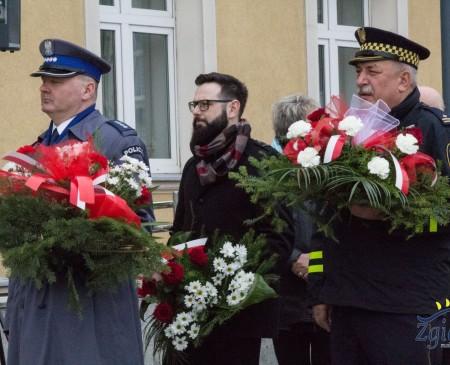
(66, 59)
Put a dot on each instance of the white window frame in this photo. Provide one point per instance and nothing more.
(125, 20)
(194, 52)
(332, 36)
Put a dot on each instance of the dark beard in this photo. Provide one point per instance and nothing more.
(203, 134)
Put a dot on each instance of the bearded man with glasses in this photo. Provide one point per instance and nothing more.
(210, 202)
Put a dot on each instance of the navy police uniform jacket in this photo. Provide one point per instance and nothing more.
(223, 207)
(113, 138)
(42, 330)
(374, 270)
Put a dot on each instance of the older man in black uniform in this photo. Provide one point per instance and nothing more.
(42, 330)
(371, 287)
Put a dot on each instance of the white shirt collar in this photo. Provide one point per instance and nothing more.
(62, 126)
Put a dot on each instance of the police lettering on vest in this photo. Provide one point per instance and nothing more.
(132, 150)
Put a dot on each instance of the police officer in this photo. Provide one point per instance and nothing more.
(42, 330)
(371, 286)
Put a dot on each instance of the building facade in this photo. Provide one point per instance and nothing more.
(158, 47)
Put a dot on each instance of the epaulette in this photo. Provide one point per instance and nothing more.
(438, 113)
(123, 128)
(446, 121)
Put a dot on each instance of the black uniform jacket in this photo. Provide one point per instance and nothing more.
(224, 207)
(374, 270)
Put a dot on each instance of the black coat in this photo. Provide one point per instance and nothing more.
(436, 136)
(374, 270)
(223, 207)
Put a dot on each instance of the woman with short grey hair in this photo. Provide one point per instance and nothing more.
(300, 340)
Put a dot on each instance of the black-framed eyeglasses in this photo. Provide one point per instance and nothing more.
(204, 105)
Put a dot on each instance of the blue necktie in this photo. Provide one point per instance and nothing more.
(54, 137)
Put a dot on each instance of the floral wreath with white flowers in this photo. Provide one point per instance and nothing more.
(341, 157)
(203, 289)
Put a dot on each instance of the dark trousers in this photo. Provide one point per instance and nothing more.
(229, 350)
(361, 337)
(303, 343)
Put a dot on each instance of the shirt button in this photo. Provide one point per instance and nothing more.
(201, 200)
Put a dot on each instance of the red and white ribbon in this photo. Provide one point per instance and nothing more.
(334, 148)
(22, 160)
(401, 177)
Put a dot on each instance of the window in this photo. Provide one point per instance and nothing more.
(336, 23)
(137, 39)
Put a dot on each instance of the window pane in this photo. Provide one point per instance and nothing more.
(347, 74)
(149, 4)
(350, 12)
(322, 74)
(151, 91)
(320, 11)
(109, 96)
(107, 2)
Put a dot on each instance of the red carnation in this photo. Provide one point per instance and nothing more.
(163, 312)
(145, 198)
(293, 147)
(27, 150)
(198, 255)
(148, 287)
(317, 115)
(176, 274)
(99, 159)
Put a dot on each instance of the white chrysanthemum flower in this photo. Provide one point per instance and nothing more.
(142, 166)
(115, 170)
(148, 181)
(194, 331)
(407, 143)
(180, 343)
(227, 249)
(189, 301)
(112, 180)
(193, 286)
(184, 318)
(351, 125)
(309, 157)
(379, 166)
(233, 298)
(198, 306)
(217, 279)
(230, 269)
(239, 287)
(177, 328)
(299, 128)
(219, 264)
(168, 332)
(201, 293)
(133, 184)
(211, 289)
(241, 253)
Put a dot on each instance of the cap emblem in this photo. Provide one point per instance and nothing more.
(362, 35)
(48, 48)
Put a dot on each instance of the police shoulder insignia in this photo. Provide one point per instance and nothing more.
(123, 128)
(132, 150)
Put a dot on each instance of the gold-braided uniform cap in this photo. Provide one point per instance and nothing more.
(378, 44)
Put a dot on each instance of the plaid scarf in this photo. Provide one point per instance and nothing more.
(207, 170)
